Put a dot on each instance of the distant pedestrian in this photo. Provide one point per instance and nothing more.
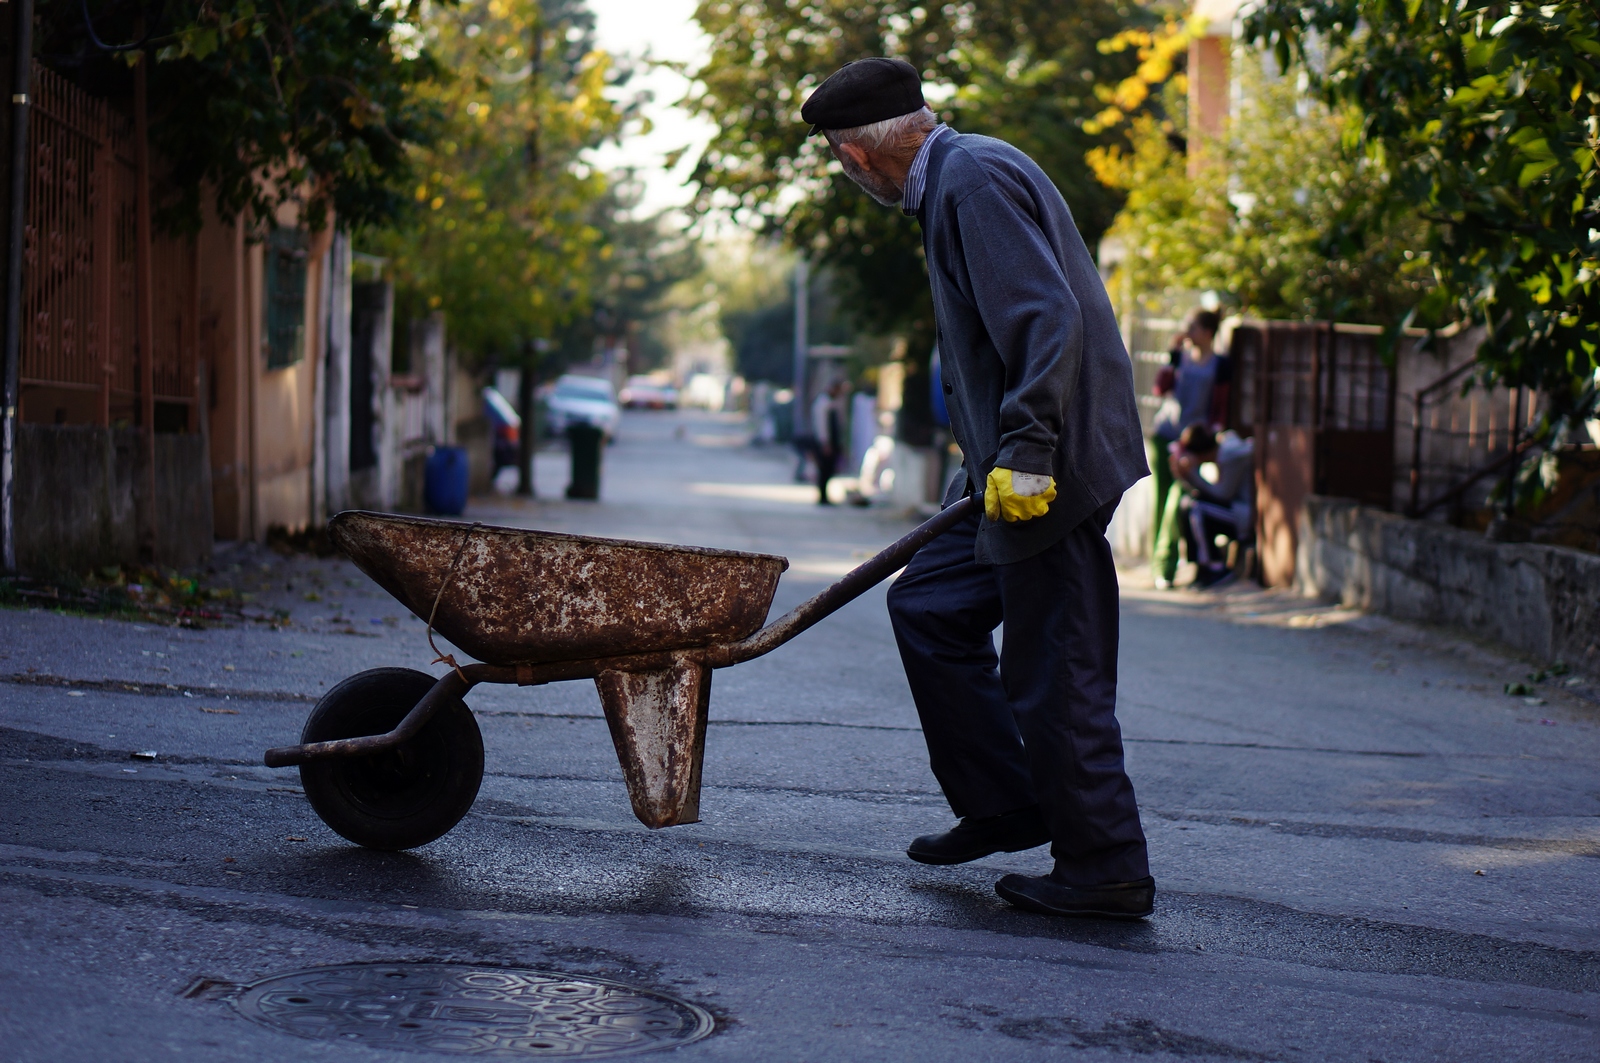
(1194, 386)
(829, 422)
(1039, 390)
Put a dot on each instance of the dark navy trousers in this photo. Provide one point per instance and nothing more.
(1036, 722)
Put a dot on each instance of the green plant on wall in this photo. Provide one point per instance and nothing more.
(1266, 217)
(1486, 119)
(253, 106)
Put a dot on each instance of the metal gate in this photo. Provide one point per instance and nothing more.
(80, 351)
(1319, 399)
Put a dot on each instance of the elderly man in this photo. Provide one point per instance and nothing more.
(1040, 391)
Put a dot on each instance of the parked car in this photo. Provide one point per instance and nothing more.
(507, 427)
(648, 393)
(582, 400)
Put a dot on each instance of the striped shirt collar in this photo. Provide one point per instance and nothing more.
(917, 176)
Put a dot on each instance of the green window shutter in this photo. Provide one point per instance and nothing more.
(285, 301)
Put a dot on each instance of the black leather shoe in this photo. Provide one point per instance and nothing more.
(1114, 900)
(974, 838)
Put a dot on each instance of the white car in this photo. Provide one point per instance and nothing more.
(648, 393)
(582, 400)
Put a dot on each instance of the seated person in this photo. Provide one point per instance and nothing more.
(1220, 507)
(1194, 388)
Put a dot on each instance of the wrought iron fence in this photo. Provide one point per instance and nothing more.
(79, 334)
(1456, 434)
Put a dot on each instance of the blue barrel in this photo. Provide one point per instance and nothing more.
(444, 483)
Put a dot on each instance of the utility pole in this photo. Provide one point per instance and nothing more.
(21, 83)
(527, 395)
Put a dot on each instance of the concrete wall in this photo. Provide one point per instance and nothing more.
(183, 501)
(1132, 527)
(78, 491)
(476, 436)
(1542, 600)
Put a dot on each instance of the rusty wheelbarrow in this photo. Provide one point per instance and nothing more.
(392, 758)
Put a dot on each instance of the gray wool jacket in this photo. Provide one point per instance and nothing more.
(1036, 377)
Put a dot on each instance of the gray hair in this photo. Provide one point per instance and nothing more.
(890, 134)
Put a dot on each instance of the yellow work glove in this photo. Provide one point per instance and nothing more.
(1013, 496)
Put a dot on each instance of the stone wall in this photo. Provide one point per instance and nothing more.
(184, 523)
(1542, 600)
(78, 491)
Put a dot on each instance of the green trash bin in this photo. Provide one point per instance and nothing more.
(586, 441)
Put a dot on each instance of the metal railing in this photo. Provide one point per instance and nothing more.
(1462, 435)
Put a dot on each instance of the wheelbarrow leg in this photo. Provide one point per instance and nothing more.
(658, 724)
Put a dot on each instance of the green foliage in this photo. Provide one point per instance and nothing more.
(1253, 219)
(263, 104)
(503, 238)
(315, 95)
(753, 285)
(1487, 117)
(1022, 70)
(637, 278)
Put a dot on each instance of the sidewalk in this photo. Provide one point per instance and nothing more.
(1364, 849)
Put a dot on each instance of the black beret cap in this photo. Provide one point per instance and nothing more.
(863, 92)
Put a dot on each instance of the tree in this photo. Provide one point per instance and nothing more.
(1254, 221)
(502, 237)
(638, 271)
(502, 240)
(296, 100)
(1486, 116)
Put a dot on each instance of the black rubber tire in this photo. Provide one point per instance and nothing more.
(403, 797)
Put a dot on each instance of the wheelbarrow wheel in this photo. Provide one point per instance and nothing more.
(402, 797)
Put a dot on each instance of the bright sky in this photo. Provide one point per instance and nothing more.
(666, 30)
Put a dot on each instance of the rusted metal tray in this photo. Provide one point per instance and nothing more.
(512, 596)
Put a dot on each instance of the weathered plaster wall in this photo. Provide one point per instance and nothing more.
(262, 421)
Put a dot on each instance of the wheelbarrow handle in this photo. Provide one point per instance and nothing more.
(859, 580)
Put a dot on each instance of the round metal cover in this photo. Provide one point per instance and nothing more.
(488, 1012)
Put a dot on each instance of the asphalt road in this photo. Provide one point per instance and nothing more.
(1364, 850)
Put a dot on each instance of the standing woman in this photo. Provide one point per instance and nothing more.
(1195, 389)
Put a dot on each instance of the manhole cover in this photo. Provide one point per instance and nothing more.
(489, 1012)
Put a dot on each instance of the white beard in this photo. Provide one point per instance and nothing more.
(877, 186)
